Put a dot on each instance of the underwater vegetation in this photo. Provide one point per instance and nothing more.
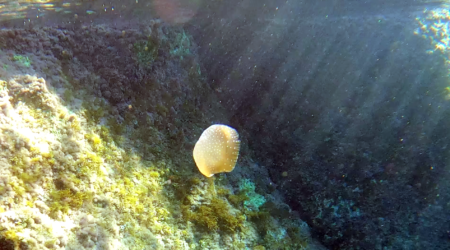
(25, 61)
(216, 215)
(91, 160)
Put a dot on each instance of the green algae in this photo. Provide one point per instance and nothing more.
(66, 199)
(22, 60)
(215, 216)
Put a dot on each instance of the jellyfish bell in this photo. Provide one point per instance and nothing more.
(217, 150)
